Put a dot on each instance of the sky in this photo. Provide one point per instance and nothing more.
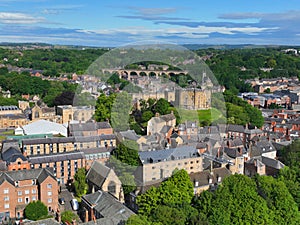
(117, 23)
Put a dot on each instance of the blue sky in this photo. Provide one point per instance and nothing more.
(117, 23)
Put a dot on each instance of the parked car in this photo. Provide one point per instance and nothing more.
(61, 201)
(74, 204)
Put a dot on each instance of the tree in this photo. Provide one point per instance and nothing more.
(138, 220)
(80, 184)
(289, 177)
(147, 115)
(36, 210)
(120, 112)
(68, 216)
(236, 201)
(255, 116)
(178, 189)
(279, 200)
(65, 98)
(103, 107)
(168, 215)
(162, 106)
(127, 152)
(148, 201)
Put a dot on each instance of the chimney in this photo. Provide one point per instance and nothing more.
(86, 219)
(74, 222)
(58, 216)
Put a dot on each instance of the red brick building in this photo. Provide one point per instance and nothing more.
(19, 188)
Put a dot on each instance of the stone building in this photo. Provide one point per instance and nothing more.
(101, 177)
(160, 164)
(78, 113)
(193, 98)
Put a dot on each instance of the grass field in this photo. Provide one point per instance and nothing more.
(203, 116)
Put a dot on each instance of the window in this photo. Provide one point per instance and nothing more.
(6, 198)
(33, 198)
(20, 200)
(6, 191)
(49, 200)
(26, 192)
(33, 191)
(27, 200)
(49, 193)
(19, 192)
(6, 206)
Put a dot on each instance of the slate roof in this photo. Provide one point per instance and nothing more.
(90, 126)
(253, 131)
(235, 128)
(129, 135)
(97, 173)
(165, 129)
(40, 174)
(87, 151)
(232, 152)
(276, 164)
(6, 144)
(109, 207)
(168, 154)
(49, 221)
(12, 154)
(56, 157)
(168, 117)
(273, 163)
(202, 178)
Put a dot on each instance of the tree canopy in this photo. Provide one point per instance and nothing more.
(36, 210)
(80, 184)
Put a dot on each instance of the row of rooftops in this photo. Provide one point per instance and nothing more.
(168, 154)
(55, 140)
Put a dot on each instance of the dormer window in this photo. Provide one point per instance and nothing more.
(17, 183)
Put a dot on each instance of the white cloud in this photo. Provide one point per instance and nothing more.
(19, 18)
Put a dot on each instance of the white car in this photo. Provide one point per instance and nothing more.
(74, 204)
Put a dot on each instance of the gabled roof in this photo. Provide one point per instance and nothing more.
(168, 117)
(97, 173)
(165, 129)
(107, 206)
(40, 174)
(12, 154)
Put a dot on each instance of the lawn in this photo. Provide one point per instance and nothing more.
(203, 116)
